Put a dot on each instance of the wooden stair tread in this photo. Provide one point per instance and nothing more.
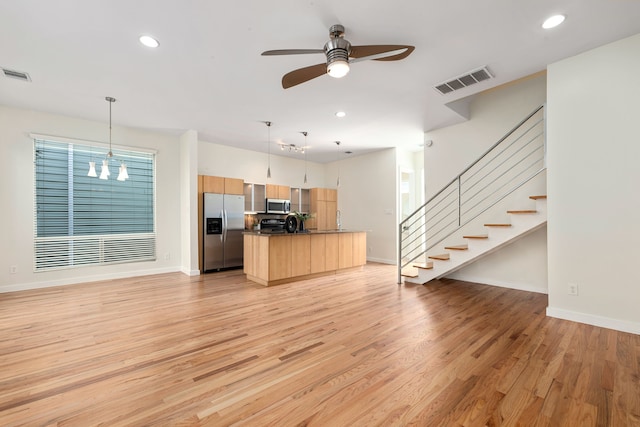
(457, 247)
(442, 257)
(524, 211)
(477, 236)
(538, 197)
(425, 266)
(411, 274)
(497, 225)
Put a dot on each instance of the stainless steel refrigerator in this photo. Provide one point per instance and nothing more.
(223, 227)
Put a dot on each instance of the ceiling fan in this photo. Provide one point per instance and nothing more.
(339, 54)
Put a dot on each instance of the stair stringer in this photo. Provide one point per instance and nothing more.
(498, 237)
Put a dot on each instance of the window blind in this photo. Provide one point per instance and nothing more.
(81, 220)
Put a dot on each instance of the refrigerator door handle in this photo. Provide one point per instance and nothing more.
(223, 214)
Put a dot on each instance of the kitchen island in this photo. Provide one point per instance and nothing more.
(275, 258)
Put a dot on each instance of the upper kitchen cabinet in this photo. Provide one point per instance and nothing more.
(254, 197)
(212, 184)
(221, 185)
(233, 186)
(278, 192)
(299, 200)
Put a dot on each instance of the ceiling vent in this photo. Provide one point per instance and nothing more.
(16, 75)
(468, 79)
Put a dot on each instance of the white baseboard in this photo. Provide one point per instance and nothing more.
(84, 279)
(592, 319)
(190, 272)
(382, 260)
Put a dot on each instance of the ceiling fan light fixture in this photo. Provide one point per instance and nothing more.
(337, 50)
(338, 68)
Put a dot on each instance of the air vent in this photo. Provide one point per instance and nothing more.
(16, 75)
(468, 79)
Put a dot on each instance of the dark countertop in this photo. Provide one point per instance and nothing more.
(268, 233)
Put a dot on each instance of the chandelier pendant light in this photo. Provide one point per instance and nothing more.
(92, 169)
(304, 150)
(269, 149)
(104, 171)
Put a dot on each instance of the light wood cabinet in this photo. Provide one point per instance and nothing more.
(324, 206)
(273, 259)
(233, 186)
(278, 191)
(345, 249)
(359, 248)
(332, 253)
(213, 184)
(221, 185)
(279, 257)
(300, 255)
(318, 250)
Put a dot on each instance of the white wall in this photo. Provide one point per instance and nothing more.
(222, 160)
(492, 115)
(367, 200)
(594, 172)
(17, 181)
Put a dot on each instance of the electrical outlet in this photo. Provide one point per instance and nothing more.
(167, 256)
(572, 289)
(13, 269)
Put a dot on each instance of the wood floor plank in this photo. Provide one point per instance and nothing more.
(352, 348)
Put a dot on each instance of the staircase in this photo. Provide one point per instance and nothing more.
(472, 216)
(493, 237)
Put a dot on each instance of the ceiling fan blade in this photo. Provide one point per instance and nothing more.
(291, 52)
(378, 56)
(371, 50)
(302, 75)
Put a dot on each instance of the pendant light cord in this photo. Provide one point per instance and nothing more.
(111, 101)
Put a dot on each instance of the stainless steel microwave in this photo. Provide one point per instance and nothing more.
(278, 206)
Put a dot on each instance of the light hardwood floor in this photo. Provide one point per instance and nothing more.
(352, 349)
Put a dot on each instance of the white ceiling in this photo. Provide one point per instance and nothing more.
(208, 74)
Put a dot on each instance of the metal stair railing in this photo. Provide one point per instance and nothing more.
(514, 160)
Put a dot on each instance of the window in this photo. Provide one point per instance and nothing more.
(81, 220)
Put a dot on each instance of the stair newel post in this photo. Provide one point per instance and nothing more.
(459, 200)
(400, 253)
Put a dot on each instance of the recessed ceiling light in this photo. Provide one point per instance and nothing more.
(341, 114)
(149, 41)
(553, 21)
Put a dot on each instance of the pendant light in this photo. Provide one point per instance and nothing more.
(269, 149)
(304, 150)
(338, 163)
(92, 169)
(104, 171)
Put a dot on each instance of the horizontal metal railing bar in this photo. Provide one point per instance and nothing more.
(505, 148)
(498, 189)
(504, 161)
(505, 172)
